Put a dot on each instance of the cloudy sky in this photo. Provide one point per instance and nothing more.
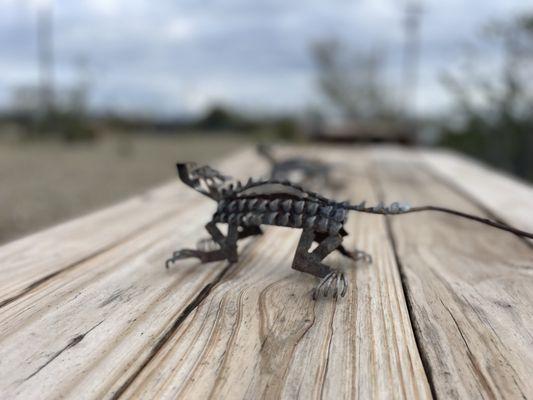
(180, 56)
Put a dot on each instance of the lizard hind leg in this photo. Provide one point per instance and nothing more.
(311, 263)
(355, 254)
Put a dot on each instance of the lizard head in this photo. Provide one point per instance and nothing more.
(203, 179)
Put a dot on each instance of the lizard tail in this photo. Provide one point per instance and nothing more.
(398, 208)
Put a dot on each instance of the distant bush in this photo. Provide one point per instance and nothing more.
(61, 125)
(220, 118)
(285, 128)
(494, 110)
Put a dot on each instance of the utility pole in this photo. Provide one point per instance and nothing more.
(411, 58)
(45, 53)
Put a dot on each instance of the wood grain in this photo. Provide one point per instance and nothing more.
(505, 197)
(91, 323)
(89, 312)
(31, 261)
(260, 334)
(469, 288)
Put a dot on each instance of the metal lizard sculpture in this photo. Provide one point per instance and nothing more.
(244, 208)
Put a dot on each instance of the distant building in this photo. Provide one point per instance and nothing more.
(365, 132)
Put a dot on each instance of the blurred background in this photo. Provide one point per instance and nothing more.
(99, 98)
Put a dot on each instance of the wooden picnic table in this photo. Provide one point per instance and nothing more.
(87, 309)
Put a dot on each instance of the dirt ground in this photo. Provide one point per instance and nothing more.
(44, 183)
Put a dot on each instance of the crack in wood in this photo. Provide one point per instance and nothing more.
(105, 249)
(454, 187)
(379, 364)
(171, 331)
(73, 342)
(482, 379)
(497, 336)
(330, 339)
(416, 331)
(473, 363)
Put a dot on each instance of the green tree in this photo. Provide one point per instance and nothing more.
(494, 109)
(353, 82)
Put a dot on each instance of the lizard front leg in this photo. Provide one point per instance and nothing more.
(208, 243)
(227, 250)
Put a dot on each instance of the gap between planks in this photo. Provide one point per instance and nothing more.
(366, 345)
(371, 351)
(362, 345)
(473, 345)
(29, 262)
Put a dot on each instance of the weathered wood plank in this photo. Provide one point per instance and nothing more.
(259, 334)
(470, 287)
(31, 261)
(125, 296)
(116, 316)
(116, 324)
(509, 199)
(85, 329)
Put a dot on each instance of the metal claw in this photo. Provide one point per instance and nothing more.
(329, 284)
(321, 283)
(181, 254)
(344, 285)
(336, 281)
(336, 288)
(323, 286)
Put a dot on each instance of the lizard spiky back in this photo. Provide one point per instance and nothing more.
(282, 204)
(272, 188)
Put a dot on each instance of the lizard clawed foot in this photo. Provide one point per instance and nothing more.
(180, 255)
(334, 281)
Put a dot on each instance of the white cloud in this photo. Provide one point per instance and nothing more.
(179, 28)
(108, 8)
(187, 54)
